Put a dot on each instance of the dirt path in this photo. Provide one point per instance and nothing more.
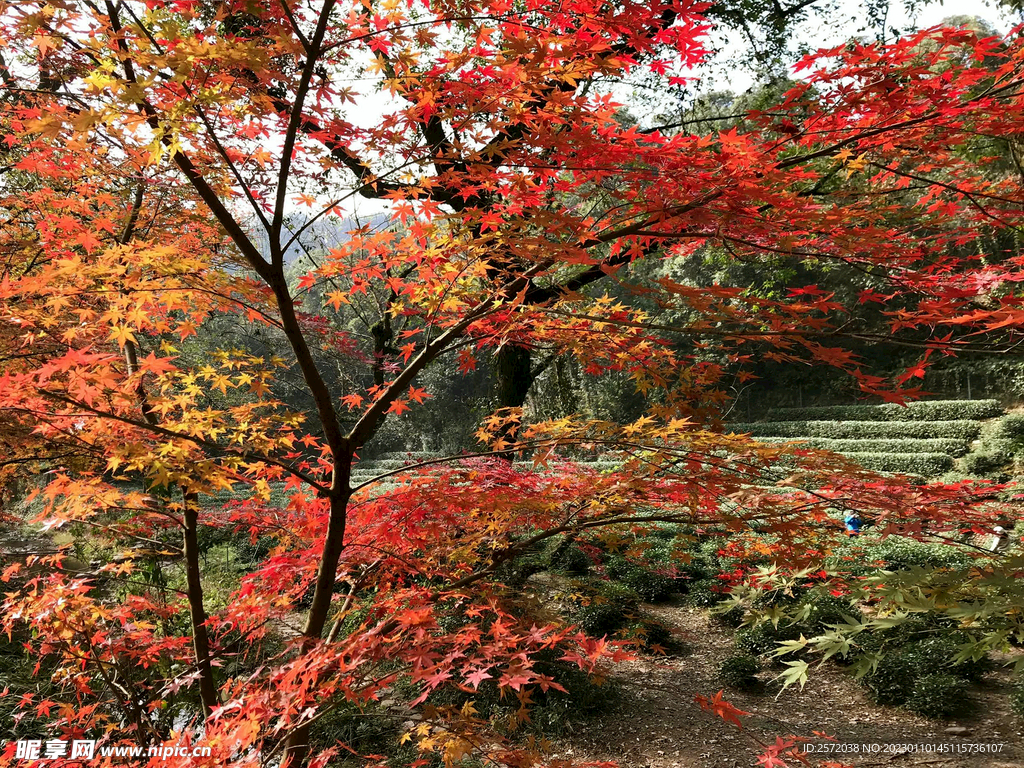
(656, 724)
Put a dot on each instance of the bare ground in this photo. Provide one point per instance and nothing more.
(656, 724)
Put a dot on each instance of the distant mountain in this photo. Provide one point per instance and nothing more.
(323, 234)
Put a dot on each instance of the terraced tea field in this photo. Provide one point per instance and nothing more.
(926, 438)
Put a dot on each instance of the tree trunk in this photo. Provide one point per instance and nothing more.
(200, 638)
(327, 573)
(190, 550)
(383, 345)
(514, 379)
(297, 743)
(512, 366)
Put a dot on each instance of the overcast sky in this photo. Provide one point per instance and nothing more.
(821, 30)
(831, 24)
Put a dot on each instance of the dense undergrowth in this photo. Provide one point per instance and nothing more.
(604, 584)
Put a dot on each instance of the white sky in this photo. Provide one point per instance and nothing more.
(835, 28)
(821, 30)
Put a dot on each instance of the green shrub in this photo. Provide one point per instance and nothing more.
(570, 559)
(938, 695)
(551, 710)
(688, 574)
(210, 536)
(739, 672)
(515, 572)
(892, 681)
(730, 618)
(924, 464)
(1011, 427)
(859, 430)
(250, 552)
(892, 639)
(652, 587)
(824, 610)
(583, 696)
(599, 619)
(910, 661)
(648, 633)
(660, 554)
(770, 598)
(707, 550)
(951, 446)
(613, 609)
(763, 638)
(1017, 697)
(617, 594)
(900, 554)
(684, 577)
(305, 600)
(559, 711)
(22, 677)
(921, 410)
(921, 464)
(610, 608)
(617, 567)
(704, 593)
(450, 615)
(983, 462)
(657, 633)
(938, 652)
(368, 729)
(664, 532)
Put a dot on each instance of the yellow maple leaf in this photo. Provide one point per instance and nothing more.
(336, 299)
(123, 334)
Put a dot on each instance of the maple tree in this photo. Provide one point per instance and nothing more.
(148, 148)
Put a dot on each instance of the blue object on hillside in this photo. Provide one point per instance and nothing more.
(853, 524)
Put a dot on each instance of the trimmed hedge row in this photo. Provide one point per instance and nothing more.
(897, 554)
(924, 464)
(892, 445)
(921, 410)
(1011, 427)
(851, 430)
